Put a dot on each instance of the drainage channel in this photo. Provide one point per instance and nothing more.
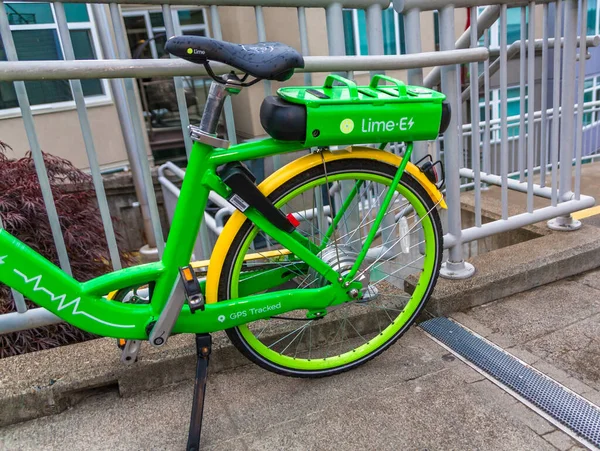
(565, 409)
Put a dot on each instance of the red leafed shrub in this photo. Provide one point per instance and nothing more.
(24, 215)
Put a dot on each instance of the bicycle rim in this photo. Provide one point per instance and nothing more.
(405, 254)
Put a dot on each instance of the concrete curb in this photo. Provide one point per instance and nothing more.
(519, 268)
(48, 382)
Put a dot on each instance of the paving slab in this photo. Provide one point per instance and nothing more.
(414, 396)
(575, 348)
(560, 440)
(517, 268)
(555, 328)
(535, 313)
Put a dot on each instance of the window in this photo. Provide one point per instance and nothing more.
(355, 32)
(147, 34)
(513, 27)
(593, 21)
(591, 93)
(35, 34)
(513, 108)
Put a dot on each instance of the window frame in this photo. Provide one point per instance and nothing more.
(596, 25)
(53, 107)
(178, 28)
(594, 89)
(494, 30)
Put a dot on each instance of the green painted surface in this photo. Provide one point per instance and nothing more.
(351, 114)
(83, 304)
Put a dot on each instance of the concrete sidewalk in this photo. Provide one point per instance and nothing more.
(414, 396)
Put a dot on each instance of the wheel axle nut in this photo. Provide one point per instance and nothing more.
(353, 293)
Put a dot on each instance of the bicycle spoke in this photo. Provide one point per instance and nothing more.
(336, 214)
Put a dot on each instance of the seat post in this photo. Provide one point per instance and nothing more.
(213, 108)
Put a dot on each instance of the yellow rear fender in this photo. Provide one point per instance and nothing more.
(286, 173)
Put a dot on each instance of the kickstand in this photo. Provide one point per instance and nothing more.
(203, 349)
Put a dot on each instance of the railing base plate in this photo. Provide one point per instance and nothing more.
(564, 224)
(457, 270)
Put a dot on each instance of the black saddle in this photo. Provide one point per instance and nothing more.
(265, 60)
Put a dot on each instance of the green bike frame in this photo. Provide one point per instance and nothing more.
(85, 305)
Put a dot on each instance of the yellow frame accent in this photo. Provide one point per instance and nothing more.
(270, 184)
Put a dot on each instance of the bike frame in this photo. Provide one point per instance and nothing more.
(85, 305)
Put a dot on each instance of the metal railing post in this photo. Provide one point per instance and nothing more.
(127, 130)
(178, 81)
(580, 99)
(567, 105)
(374, 31)
(122, 51)
(34, 145)
(412, 38)
(475, 132)
(455, 267)
(228, 108)
(17, 297)
(86, 132)
(544, 95)
(304, 40)
(335, 29)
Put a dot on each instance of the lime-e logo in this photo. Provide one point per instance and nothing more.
(190, 51)
(347, 126)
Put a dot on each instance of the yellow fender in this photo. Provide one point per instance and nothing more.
(289, 171)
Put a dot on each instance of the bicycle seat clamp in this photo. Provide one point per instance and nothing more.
(198, 135)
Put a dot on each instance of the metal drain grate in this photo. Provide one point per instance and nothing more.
(577, 414)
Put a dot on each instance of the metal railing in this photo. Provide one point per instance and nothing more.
(479, 145)
(474, 139)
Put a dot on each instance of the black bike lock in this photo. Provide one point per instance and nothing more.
(245, 193)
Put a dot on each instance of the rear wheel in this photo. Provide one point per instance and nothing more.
(398, 274)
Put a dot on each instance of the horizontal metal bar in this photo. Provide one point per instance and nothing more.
(589, 107)
(86, 69)
(513, 184)
(514, 50)
(37, 317)
(430, 5)
(520, 220)
(361, 4)
(591, 41)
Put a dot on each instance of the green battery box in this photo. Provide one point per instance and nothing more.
(344, 113)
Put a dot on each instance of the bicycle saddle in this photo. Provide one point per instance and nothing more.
(265, 60)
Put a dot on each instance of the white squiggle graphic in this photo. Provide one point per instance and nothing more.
(62, 305)
(2, 260)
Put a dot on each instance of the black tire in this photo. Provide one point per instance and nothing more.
(332, 168)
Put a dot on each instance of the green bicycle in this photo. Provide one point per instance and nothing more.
(322, 267)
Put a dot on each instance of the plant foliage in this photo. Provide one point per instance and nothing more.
(24, 215)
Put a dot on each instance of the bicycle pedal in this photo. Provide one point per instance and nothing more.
(191, 286)
(130, 350)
